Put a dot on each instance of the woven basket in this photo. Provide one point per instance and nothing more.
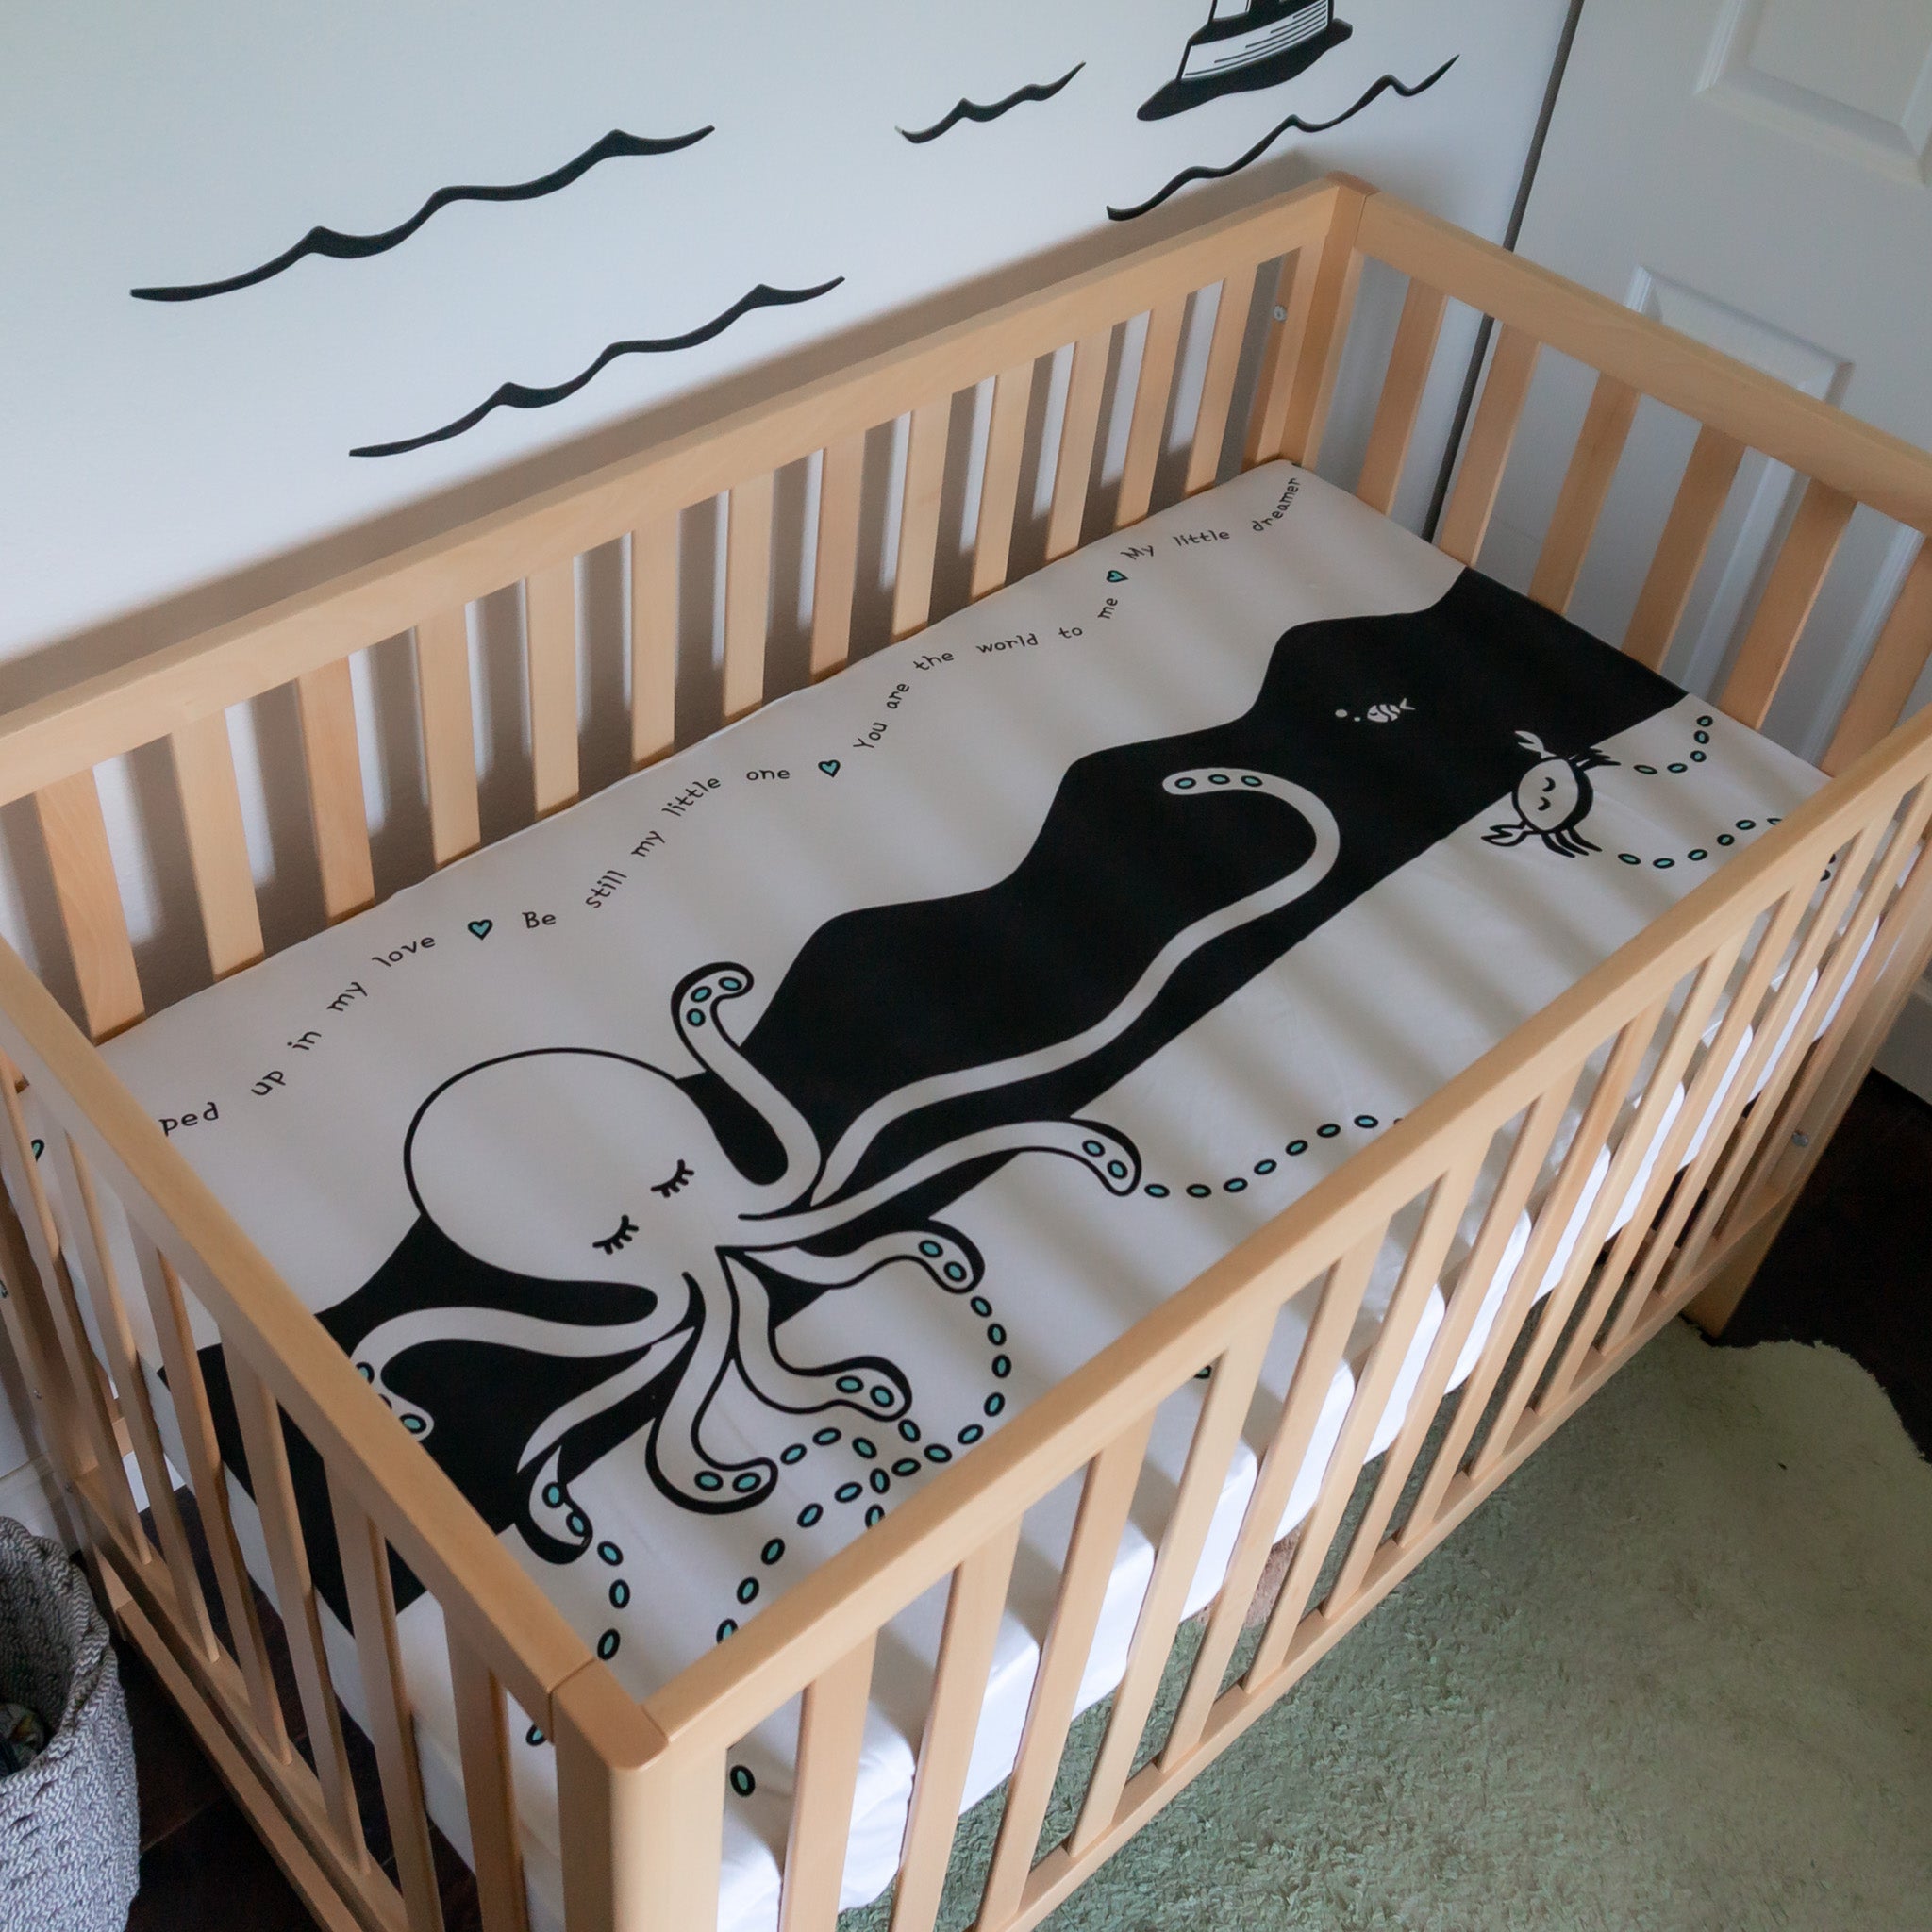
(70, 1824)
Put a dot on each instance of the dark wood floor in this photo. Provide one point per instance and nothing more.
(1852, 1267)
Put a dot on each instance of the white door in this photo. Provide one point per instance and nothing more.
(1757, 174)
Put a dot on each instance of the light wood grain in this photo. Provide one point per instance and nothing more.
(919, 516)
(550, 663)
(1281, 349)
(1218, 382)
(1323, 332)
(1153, 393)
(217, 844)
(1702, 494)
(269, 1482)
(387, 1714)
(841, 482)
(1796, 578)
(1079, 426)
(76, 836)
(654, 581)
(1580, 501)
(449, 733)
(1890, 673)
(1104, 1499)
(975, 1605)
(1403, 383)
(325, 702)
(747, 595)
(1209, 1454)
(831, 1731)
(497, 1855)
(1480, 475)
(999, 488)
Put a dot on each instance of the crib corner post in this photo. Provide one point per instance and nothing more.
(641, 1822)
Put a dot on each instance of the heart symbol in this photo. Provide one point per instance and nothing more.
(481, 928)
(40, 1147)
(829, 767)
(1116, 577)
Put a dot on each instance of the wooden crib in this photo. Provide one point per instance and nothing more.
(642, 1786)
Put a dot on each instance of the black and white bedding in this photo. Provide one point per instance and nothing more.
(700, 1172)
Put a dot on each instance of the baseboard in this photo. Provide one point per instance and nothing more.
(1906, 1055)
(27, 1494)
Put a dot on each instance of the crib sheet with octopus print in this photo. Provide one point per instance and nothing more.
(702, 1169)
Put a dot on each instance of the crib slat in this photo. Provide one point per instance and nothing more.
(76, 836)
(1274, 382)
(1079, 426)
(831, 1730)
(919, 517)
(483, 1742)
(1106, 1497)
(326, 700)
(999, 488)
(747, 595)
(1400, 1322)
(1686, 1032)
(385, 1702)
(1152, 389)
(1282, 1463)
(550, 656)
(841, 480)
(1890, 673)
(1466, 1296)
(117, 1341)
(1400, 400)
(83, 1372)
(1229, 1392)
(1534, 1140)
(217, 842)
(1679, 555)
(653, 639)
(1669, 1159)
(209, 1482)
(1504, 390)
(1333, 275)
(1217, 385)
(1580, 501)
(449, 732)
(260, 1418)
(1796, 579)
(974, 1605)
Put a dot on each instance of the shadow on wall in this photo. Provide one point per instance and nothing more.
(138, 792)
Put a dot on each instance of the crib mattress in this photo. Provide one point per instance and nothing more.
(702, 1169)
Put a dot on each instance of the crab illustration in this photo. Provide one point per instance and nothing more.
(583, 1166)
(1552, 797)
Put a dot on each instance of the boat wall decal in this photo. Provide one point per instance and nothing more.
(1248, 45)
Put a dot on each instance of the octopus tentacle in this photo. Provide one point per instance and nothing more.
(866, 1384)
(696, 1008)
(1109, 1154)
(948, 1256)
(1203, 782)
(675, 1455)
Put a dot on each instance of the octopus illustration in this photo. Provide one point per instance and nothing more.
(1553, 798)
(582, 1166)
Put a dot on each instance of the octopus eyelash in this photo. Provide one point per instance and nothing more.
(626, 1232)
(681, 1179)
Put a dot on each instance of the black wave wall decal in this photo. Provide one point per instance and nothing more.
(972, 110)
(1386, 85)
(520, 396)
(334, 243)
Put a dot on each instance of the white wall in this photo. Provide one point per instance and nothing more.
(171, 462)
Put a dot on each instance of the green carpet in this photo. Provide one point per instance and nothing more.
(1676, 1673)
